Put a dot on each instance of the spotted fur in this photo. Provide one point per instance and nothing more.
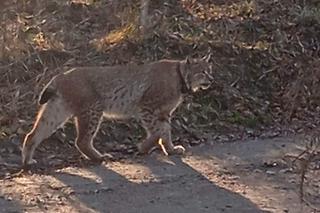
(149, 92)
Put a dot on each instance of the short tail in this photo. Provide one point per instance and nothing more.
(47, 93)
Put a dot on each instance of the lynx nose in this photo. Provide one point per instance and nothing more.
(206, 83)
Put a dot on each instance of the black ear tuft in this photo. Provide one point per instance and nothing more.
(46, 95)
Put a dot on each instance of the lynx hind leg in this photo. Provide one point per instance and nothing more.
(87, 125)
(50, 117)
(150, 142)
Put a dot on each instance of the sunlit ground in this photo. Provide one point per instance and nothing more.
(229, 176)
(64, 188)
(86, 2)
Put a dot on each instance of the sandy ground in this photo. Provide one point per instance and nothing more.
(249, 176)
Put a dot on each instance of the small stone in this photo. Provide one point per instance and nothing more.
(269, 172)
(270, 164)
(287, 170)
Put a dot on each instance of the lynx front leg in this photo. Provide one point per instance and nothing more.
(87, 125)
(49, 118)
(164, 127)
(158, 128)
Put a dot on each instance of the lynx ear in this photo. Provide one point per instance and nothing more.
(183, 70)
(188, 60)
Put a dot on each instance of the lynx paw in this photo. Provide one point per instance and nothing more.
(97, 160)
(142, 149)
(27, 163)
(179, 150)
(101, 158)
(107, 156)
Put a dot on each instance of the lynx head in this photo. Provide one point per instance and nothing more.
(196, 74)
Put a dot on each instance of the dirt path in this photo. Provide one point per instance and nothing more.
(223, 177)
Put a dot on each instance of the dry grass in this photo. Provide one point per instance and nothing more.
(117, 36)
(259, 50)
(128, 29)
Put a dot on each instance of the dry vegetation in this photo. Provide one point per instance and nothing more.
(265, 56)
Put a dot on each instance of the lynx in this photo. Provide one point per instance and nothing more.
(148, 92)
